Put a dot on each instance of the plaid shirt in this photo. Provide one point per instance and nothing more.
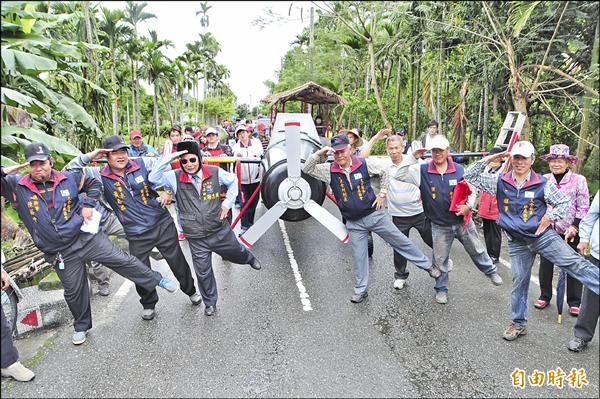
(488, 182)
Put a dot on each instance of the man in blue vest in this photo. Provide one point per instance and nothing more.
(49, 205)
(523, 196)
(350, 183)
(436, 180)
(143, 214)
(202, 214)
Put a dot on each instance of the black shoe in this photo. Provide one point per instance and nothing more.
(255, 264)
(210, 310)
(576, 344)
(156, 255)
(103, 290)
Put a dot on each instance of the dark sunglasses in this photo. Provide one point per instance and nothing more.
(190, 160)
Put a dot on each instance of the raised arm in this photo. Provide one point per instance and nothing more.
(476, 177)
(315, 166)
(409, 170)
(380, 135)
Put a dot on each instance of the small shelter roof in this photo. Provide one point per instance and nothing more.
(310, 93)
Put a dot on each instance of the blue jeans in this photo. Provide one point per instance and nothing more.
(552, 247)
(379, 223)
(443, 237)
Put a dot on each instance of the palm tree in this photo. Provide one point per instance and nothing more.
(134, 14)
(156, 70)
(114, 29)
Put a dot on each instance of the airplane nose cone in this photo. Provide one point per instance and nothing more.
(273, 178)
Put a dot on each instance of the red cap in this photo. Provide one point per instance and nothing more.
(261, 127)
(135, 133)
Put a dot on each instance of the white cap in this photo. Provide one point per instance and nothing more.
(522, 148)
(438, 141)
(240, 127)
(211, 130)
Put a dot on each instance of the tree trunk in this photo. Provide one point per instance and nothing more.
(156, 110)
(113, 78)
(415, 103)
(585, 133)
(397, 99)
(438, 101)
(475, 143)
(375, 85)
(517, 89)
(88, 33)
(486, 114)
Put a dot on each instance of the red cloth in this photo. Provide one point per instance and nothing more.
(459, 197)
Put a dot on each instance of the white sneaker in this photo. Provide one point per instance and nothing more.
(399, 283)
(18, 372)
(148, 314)
(450, 265)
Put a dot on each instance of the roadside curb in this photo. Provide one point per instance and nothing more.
(41, 309)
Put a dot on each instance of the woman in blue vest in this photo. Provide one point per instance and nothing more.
(350, 183)
(523, 198)
(49, 205)
(202, 214)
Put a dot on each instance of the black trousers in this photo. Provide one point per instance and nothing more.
(405, 224)
(493, 237)
(10, 355)
(164, 237)
(74, 276)
(574, 287)
(588, 315)
(248, 216)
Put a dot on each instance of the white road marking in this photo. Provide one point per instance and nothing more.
(534, 279)
(124, 288)
(304, 297)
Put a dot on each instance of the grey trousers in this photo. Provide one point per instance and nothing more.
(378, 222)
(111, 227)
(588, 315)
(224, 243)
(9, 353)
(74, 277)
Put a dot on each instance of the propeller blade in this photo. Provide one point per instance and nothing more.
(292, 149)
(262, 225)
(330, 222)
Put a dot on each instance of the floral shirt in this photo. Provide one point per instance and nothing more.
(575, 187)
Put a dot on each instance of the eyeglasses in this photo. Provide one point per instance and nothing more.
(190, 160)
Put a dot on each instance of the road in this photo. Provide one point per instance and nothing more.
(269, 340)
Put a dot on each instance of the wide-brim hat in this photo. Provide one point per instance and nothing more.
(559, 151)
(356, 132)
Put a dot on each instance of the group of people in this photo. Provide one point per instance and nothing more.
(62, 210)
(546, 215)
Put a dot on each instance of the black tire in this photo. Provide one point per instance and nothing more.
(9, 307)
(370, 244)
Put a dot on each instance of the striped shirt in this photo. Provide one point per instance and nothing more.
(403, 199)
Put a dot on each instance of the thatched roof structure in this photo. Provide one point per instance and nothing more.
(310, 93)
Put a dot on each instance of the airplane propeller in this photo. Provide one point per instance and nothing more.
(294, 192)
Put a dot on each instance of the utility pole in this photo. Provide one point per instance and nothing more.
(311, 45)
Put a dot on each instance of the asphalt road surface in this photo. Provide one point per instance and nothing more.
(281, 332)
